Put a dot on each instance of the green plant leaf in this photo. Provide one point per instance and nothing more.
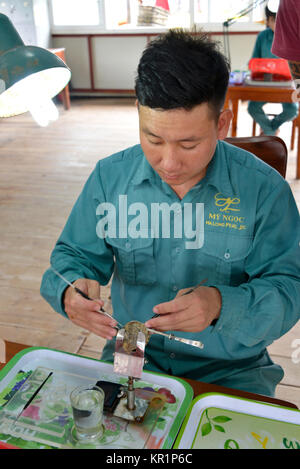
(219, 428)
(206, 429)
(221, 419)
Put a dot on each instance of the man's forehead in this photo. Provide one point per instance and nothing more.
(189, 125)
(199, 111)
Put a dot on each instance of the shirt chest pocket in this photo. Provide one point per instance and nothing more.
(135, 262)
(224, 255)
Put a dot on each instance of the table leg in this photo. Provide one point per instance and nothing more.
(298, 156)
(235, 111)
(227, 102)
(297, 131)
(2, 351)
(65, 95)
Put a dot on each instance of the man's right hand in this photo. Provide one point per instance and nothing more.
(85, 313)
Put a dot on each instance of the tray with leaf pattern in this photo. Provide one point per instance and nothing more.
(219, 421)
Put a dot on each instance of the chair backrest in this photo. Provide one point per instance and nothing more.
(272, 150)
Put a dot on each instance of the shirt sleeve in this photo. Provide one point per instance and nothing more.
(286, 42)
(267, 306)
(79, 252)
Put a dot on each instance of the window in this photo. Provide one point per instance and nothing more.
(219, 12)
(214, 11)
(201, 9)
(180, 13)
(75, 12)
(131, 14)
(120, 13)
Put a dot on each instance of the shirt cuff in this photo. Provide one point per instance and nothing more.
(233, 306)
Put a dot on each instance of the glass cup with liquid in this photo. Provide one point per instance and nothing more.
(87, 406)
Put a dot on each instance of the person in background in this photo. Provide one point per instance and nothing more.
(287, 36)
(262, 49)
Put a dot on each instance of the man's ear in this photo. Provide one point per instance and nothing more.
(224, 123)
(137, 104)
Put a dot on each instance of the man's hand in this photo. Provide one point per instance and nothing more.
(193, 312)
(85, 313)
(295, 71)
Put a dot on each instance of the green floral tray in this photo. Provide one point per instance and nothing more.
(218, 421)
(48, 422)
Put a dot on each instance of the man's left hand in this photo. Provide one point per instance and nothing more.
(193, 312)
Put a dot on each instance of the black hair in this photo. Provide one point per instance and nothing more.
(269, 13)
(179, 69)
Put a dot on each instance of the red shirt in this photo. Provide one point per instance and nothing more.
(287, 31)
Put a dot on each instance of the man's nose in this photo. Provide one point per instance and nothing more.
(171, 161)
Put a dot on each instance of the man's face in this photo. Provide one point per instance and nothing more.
(179, 144)
(271, 23)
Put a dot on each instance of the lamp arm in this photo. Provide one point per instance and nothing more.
(243, 12)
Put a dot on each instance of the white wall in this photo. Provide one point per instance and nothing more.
(31, 19)
(115, 59)
(241, 47)
(77, 58)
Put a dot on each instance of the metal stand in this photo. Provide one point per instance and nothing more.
(129, 362)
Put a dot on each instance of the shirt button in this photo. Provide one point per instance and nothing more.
(227, 255)
(127, 245)
(172, 355)
(175, 288)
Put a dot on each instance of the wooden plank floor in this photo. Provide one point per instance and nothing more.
(42, 173)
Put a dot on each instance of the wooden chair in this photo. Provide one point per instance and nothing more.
(272, 150)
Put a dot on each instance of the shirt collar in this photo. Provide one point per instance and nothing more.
(144, 172)
(217, 173)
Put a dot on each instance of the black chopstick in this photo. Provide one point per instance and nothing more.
(33, 395)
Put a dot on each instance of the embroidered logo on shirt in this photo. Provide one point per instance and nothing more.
(225, 218)
(226, 203)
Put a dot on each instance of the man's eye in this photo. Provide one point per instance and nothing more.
(189, 148)
(154, 143)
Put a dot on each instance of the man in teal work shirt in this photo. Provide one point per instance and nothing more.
(180, 208)
(262, 50)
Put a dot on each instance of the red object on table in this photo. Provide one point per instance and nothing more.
(272, 69)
